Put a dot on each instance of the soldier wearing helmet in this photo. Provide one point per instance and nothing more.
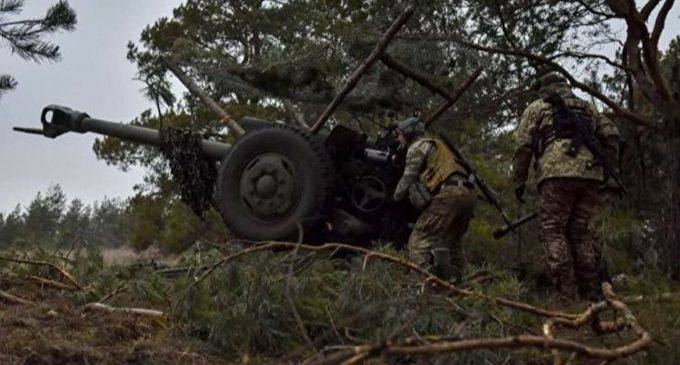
(568, 182)
(438, 186)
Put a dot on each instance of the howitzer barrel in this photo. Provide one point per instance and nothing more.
(147, 136)
(57, 120)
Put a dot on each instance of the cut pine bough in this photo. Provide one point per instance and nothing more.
(426, 346)
(430, 345)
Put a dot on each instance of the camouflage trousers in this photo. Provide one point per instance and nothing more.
(439, 231)
(567, 209)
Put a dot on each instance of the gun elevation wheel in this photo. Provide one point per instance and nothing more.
(273, 179)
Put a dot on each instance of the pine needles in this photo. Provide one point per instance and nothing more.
(350, 306)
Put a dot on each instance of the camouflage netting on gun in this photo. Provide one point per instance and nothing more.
(194, 174)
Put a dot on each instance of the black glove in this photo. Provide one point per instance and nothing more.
(519, 193)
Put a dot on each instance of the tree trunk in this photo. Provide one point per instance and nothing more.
(672, 216)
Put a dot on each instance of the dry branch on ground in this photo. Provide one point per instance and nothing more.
(432, 345)
(137, 311)
(421, 346)
(63, 272)
(13, 298)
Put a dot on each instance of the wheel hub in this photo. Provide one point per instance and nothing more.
(369, 194)
(268, 185)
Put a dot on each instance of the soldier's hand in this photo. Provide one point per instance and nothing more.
(519, 193)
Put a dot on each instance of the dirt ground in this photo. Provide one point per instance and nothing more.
(59, 332)
(55, 328)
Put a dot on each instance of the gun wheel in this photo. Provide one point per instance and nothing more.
(273, 179)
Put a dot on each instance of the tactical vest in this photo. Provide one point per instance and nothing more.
(562, 127)
(441, 163)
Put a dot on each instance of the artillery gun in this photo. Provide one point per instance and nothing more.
(277, 181)
(277, 178)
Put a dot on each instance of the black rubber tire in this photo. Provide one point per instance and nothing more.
(250, 124)
(314, 179)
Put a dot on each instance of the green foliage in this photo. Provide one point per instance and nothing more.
(11, 226)
(181, 227)
(50, 222)
(25, 37)
(170, 224)
(242, 309)
(146, 221)
(339, 299)
(267, 59)
(42, 214)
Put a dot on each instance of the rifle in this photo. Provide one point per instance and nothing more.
(585, 137)
(489, 195)
(507, 227)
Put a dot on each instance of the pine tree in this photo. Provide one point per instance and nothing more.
(25, 37)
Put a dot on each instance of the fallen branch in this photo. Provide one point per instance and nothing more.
(205, 98)
(291, 302)
(63, 272)
(120, 289)
(14, 299)
(437, 346)
(547, 342)
(550, 324)
(365, 66)
(101, 307)
(52, 283)
(454, 98)
(539, 342)
(289, 297)
(178, 271)
(451, 98)
(447, 286)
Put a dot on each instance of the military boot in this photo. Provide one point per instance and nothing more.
(442, 264)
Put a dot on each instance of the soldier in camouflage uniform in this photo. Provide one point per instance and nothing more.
(568, 185)
(435, 183)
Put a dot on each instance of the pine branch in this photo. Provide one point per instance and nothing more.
(60, 16)
(13, 299)
(7, 82)
(24, 36)
(11, 6)
(450, 288)
(70, 278)
(420, 346)
(35, 51)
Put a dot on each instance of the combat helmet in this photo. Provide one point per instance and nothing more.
(546, 79)
(411, 128)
